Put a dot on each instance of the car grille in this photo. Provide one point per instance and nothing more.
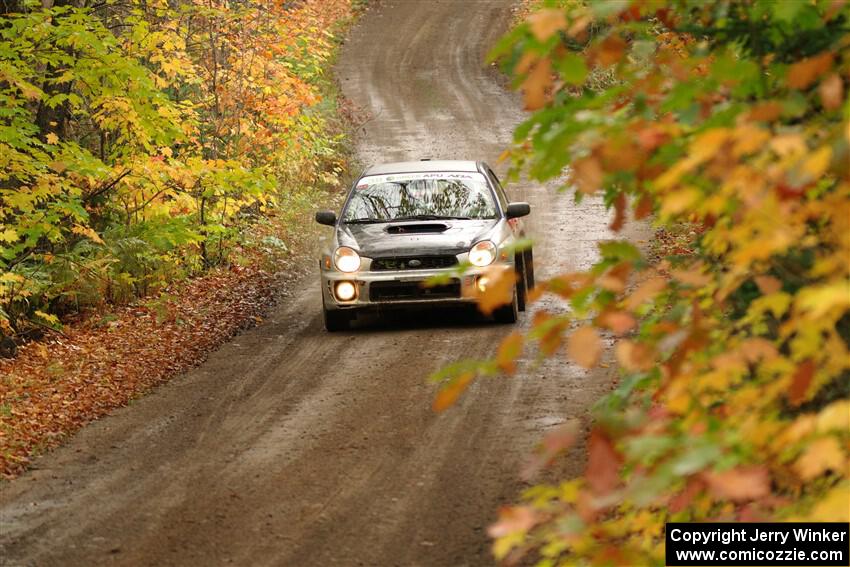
(413, 263)
(407, 291)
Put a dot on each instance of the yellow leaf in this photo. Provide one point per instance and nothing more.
(585, 347)
(707, 144)
(50, 318)
(8, 235)
(821, 456)
(817, 163)
(788, 144)
(833, 507)
(12, 278)
(87, 232)
(834, 417)
(680, 201)
(52, 138)
(832, 299)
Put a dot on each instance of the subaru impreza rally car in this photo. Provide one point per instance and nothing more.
(404, 223)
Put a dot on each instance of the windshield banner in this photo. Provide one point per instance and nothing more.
(396, 177)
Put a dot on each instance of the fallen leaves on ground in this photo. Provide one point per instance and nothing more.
(56, 386)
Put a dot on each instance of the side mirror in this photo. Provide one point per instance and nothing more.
(326, 217)
(516, 210)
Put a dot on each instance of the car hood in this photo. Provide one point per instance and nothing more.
(414, 237)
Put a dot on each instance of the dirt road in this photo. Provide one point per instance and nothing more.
(291, 446)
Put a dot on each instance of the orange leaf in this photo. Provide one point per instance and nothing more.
(585, 347)
(644, 207)
(619, 213)
(559, 440)
(831, 92)
(804, 72)
(552, 337)
(615, 279)
(566, 285)
(740, 484)
(682, 499)
(545, 23)
(513, 520)
(757, 348)
(766, 111)
(587, 174)
(603, 463)
(611, 50)
(535, 84)
(768, 284)
(800, 382)
(617, 321)
(646, 291)
(693, 277)
(634, 357)
(499, 290)
(508, 352)
(450, 392)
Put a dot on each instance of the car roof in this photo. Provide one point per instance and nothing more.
(422, 166)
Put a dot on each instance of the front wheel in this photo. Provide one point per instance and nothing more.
(336, 320)
(528, 262)
(508, 314)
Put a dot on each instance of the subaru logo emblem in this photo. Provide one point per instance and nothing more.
(414, 263)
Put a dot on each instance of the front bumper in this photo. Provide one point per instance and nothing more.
(403, 288)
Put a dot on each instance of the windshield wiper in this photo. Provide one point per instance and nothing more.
(364, 221)
(429, 217)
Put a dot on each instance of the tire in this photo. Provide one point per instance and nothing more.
(528, 263)
(336, 320)
(521, 281)
(508, 314)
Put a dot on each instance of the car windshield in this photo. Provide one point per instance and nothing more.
(420, 196)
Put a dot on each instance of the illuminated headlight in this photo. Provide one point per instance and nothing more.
(346, 259)
(482, 254)
(345, 291)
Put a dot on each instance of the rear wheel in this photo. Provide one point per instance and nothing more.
(336, 320)
(508, 314)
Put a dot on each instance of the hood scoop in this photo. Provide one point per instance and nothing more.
(423, 228)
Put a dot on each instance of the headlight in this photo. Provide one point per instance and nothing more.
(345, 291)
(482, 254)
(346, 259)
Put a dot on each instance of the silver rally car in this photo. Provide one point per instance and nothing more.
(403, 223)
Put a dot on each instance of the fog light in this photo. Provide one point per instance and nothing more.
(345, 291)
(482, 283)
